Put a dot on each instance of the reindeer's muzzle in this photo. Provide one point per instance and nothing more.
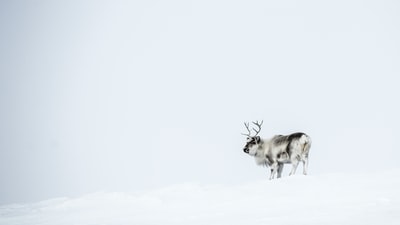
(246, 150)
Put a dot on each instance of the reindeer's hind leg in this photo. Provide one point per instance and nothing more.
(295, 163)
(305, 165)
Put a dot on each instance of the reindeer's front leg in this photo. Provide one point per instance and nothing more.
(280, 169)
(274, 169)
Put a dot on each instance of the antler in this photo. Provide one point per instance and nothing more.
(258, 125)
(248, 129)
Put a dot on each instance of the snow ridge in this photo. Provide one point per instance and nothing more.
(324, 199)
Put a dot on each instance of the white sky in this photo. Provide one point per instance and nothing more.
(121, 95)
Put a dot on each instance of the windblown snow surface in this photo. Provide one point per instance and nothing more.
(356, 198)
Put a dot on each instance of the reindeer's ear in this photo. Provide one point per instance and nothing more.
(258, 139)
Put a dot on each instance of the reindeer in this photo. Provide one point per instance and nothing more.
(278, 150)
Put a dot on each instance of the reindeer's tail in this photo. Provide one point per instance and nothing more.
(306, 141)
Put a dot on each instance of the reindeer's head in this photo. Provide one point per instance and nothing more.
(253, 141)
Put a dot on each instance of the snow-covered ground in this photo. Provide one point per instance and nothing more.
(353, 198)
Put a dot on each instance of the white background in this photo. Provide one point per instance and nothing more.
(132, 95)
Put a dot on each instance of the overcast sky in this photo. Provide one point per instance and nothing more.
(132, 95)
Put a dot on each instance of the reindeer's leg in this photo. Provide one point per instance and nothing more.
(274, 168)
(305, 165)
(273, 171)
(295, 163)
(280, 169)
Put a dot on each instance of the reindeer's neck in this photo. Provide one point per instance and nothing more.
(260, 156)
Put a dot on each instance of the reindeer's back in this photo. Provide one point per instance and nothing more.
(289, 141)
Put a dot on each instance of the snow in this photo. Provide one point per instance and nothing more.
(342, 198)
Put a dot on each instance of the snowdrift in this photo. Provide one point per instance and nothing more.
(322, 199)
